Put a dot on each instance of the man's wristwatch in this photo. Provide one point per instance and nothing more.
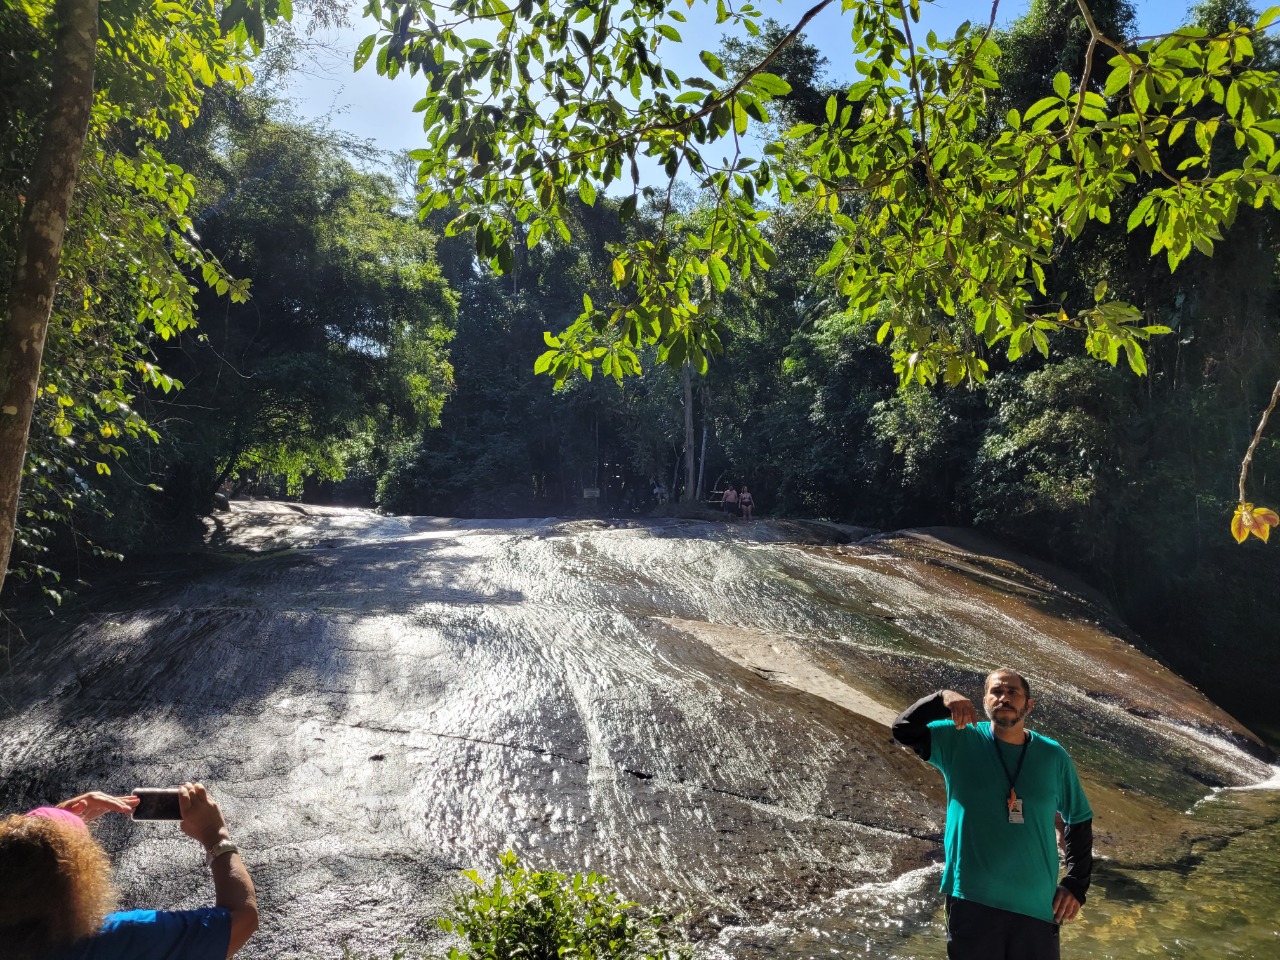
(217, 850)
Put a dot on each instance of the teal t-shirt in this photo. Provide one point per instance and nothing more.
(1012, 866)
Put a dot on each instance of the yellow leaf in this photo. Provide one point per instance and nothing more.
(1250, 520)
(1238, 529)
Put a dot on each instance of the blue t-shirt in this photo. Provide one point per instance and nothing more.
(157, 935)
(1012, 866)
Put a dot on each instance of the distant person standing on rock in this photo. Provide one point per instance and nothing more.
(730, 501)
(745, 502)
(56, 893)
(1005, 787)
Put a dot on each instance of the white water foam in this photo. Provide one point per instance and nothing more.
(1245, 763)
(1271, 783)
(870, 900)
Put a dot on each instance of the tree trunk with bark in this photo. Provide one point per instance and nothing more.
(690, 490)
(702, 455)
(44, 224)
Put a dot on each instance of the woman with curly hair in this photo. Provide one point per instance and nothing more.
(56, 895)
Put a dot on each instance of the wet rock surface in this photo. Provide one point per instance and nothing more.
(697, 710)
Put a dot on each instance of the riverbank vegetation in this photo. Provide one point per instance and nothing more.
(546, 915)
(330, 345)
(523, 914)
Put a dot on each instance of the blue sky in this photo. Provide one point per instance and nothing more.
(371, 107)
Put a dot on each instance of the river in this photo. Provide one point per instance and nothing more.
(696, 710)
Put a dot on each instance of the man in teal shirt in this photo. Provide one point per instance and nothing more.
(1006, 787)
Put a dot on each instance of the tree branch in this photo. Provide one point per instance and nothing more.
(724, 98)
(1257, 437)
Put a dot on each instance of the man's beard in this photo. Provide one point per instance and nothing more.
(1006, 720)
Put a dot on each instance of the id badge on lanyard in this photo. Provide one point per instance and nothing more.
(1014, 803)
(1015, 809)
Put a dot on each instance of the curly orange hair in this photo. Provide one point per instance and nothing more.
(55, 886)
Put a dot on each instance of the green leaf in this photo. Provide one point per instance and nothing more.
(1137, 361)
(1062, 86)
(364, 51)
(1142, 93)
(1139, 213)
(712, 63)
(1041, 342)
(771, 84)
(719, 274)
(1117, 80)
(1039, 107)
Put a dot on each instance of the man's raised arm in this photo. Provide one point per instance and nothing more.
(911, 728)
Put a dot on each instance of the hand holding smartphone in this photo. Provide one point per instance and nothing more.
(157, 804)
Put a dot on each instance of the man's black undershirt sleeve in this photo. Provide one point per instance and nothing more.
(1078, 840)
(911, 728)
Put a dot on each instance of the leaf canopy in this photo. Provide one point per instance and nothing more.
(944, 216)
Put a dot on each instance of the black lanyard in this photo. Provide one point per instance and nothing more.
(1013, 779)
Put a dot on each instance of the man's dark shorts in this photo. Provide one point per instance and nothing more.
(978, 932)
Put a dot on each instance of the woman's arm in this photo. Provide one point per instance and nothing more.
(232, 885)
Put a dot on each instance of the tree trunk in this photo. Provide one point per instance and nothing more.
(702, 462)
(44, 224)
(675, 475)
(690, 490)
(702, 456)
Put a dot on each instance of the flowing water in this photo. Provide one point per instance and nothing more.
(1223, 901)
(697, 710)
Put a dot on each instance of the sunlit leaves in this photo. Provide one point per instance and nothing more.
(943, 220)
(130, 258)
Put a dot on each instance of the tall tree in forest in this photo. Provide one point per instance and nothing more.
(342, 351)
(151, 65)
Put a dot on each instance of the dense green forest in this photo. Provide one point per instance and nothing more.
(368, 358)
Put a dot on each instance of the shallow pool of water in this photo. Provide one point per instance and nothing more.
(1222, 902)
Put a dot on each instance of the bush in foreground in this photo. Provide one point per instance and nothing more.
(544, 915)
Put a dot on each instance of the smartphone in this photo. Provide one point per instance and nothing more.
(157, 804)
